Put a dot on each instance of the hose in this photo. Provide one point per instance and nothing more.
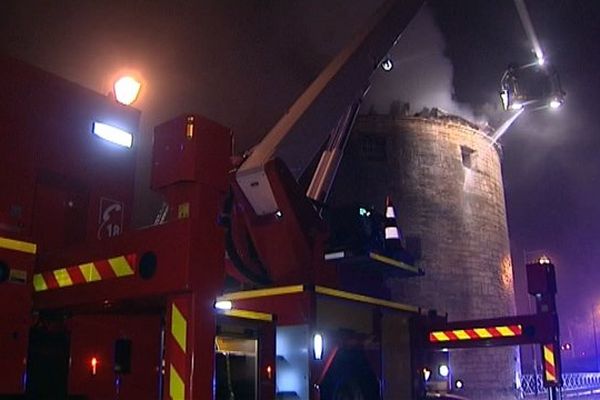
(260, 279)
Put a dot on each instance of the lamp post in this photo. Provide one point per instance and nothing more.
(529, 255)
(594, 311)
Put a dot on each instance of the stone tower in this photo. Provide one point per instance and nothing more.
(445, 177)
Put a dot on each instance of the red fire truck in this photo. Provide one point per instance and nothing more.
(245, 287)
(101, 310)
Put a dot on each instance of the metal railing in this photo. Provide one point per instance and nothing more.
(532, 384)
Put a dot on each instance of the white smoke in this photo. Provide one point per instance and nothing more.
(422, 74)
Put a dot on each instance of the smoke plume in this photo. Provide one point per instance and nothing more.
(422, 75)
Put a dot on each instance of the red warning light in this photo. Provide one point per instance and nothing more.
(93, 365)
(269, 372)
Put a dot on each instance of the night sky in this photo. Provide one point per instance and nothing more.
(551, 162)
(243, 63)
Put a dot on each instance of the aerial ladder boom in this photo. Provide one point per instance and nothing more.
(326, 107)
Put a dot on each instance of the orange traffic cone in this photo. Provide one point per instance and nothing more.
(393, 236)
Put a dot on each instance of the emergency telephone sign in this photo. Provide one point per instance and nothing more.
(110, 218)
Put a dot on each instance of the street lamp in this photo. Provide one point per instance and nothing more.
(528, 256)
(594, 312)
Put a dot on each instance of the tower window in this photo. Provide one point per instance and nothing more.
(467, 156)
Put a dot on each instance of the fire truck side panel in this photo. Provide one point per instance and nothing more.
(290, 309)
(16, 147)
(293, 361)
(186, 266)
(333, 313)
(191, 148)
(94, 336)
(350, 344)
(365, 341)
(380, 334)
(170, 244)
(15, 296)
(59, 170)
(396, 356)
(248, 346)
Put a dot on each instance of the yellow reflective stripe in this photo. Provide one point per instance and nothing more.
(62, 277)
(18, 245)
(89, 272)
(462, 335)
(120, 266)
(178, 327)
(505, 331)
(252, 294)
(176, 385)
(440, 336)
(395, 263)
(549, 358)
(482, 333)
(248, 314)
(548, 355)
(39, 284)
(364, 299)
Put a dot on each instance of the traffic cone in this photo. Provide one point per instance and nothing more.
(393, 236)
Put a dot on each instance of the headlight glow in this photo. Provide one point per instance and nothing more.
(223, 305)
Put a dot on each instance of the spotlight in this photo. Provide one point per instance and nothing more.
(555, 103)
(516, 106)
(459, 384)
(387, 64)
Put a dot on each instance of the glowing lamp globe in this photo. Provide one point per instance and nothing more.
(126, 90)
(544, 260)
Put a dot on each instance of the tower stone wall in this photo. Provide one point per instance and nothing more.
(445, 177)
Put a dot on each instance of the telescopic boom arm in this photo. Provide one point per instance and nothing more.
(305, 127)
